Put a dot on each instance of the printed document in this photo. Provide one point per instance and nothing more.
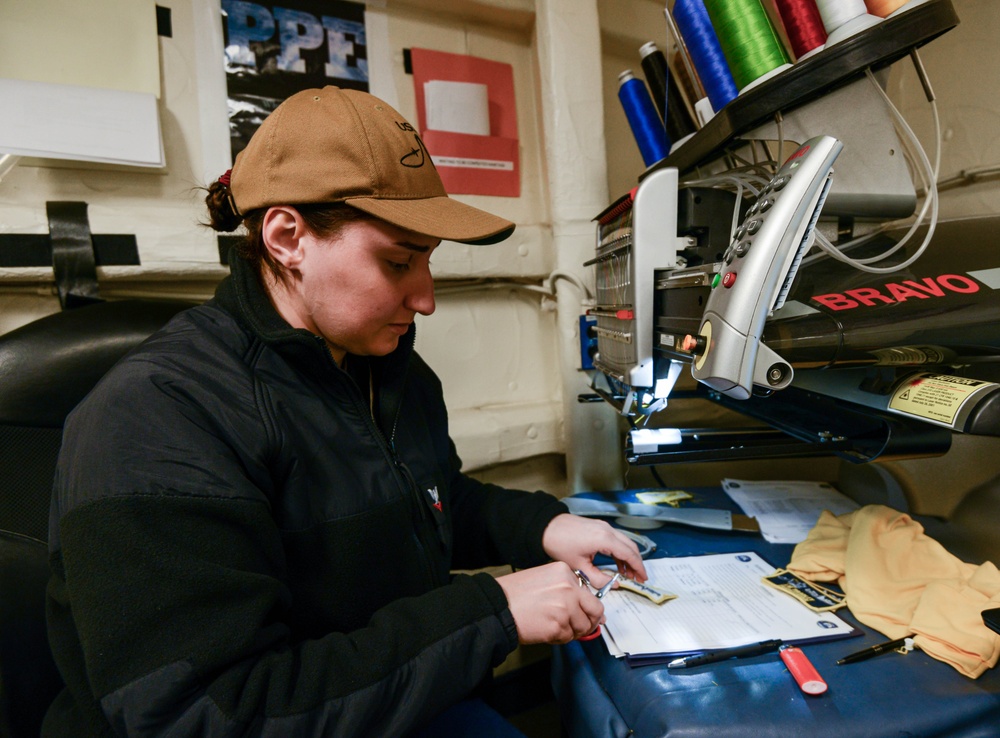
(787, 511)
(721, 602)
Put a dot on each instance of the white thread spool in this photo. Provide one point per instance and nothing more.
(844, 18)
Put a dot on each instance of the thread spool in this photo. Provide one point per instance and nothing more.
(749, 42)
(702, 43)
(803, 25)
(666, 93)
(887, 8)
(844, 18)
(647, 128)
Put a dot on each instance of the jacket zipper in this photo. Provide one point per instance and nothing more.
(401, 472)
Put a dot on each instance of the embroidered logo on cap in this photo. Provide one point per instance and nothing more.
(418, 156)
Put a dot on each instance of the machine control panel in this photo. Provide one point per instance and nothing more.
(756, 273)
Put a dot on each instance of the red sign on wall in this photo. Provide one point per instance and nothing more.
(484, 163)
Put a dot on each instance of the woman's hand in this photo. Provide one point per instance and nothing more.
(576, 540)
(550, 605)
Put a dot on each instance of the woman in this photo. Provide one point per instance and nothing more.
(257, 512)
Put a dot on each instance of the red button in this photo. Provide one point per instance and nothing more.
(728, 279)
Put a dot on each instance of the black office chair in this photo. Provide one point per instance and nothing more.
(46, 368)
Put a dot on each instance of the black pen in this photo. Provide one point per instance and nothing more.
(723, 654)
(878, 648)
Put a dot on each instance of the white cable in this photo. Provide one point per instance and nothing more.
(505, 285)
(751, 183)
(928, 174)
(548, 291)
(572, 278)
(781, 142)
(736, 213)
(931, 198)
(741, 180)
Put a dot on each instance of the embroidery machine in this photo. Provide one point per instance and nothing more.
(882, 343)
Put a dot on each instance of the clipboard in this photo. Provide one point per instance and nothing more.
(721, 603)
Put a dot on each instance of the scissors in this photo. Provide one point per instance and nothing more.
(600, 595)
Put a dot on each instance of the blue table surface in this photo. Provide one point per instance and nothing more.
(890, 695)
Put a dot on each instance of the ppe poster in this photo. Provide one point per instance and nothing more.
(273, 51)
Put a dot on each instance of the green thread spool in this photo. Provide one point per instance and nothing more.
(749, 42)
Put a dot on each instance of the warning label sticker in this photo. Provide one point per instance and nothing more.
(936, 397)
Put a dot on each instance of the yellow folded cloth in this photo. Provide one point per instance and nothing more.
(899, 581)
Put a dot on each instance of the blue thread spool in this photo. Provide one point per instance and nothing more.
(643, 119)
(705, 50)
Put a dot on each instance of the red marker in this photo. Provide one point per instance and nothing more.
(805, 673)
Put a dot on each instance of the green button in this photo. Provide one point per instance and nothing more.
(715, 280)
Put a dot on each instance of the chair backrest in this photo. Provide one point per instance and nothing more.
(46, 368)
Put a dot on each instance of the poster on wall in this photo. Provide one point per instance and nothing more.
(273, 51)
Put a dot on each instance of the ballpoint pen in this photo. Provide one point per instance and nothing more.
(723, 654)
(878, 648)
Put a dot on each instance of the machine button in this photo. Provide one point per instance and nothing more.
(715, 280)
(729, 279)
(754, 225)
(780, 182)
(742, 248)
(694, 344)
(729, 255)
(766, 204)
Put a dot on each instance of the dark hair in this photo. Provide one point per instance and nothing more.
(324, 220)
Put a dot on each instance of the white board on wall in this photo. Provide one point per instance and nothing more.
(66, 92)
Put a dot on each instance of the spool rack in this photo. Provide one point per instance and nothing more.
(812, 78)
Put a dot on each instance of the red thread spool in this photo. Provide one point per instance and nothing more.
(803, 24)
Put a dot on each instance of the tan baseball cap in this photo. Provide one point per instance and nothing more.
(337, 145)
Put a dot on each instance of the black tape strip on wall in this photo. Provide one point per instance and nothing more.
(72, 254)
(164, 26)
(35, 250)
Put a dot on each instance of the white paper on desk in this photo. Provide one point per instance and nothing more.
(81, 123)
(721, 602)
(609, 642)
(786, 511)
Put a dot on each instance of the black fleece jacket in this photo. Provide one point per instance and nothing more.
(241, 546)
